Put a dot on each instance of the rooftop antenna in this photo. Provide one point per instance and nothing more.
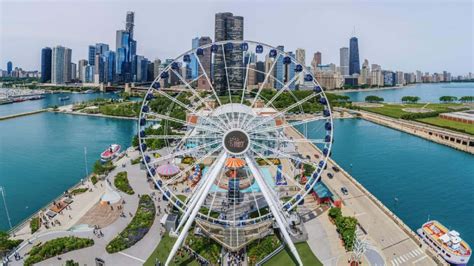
(2, 189)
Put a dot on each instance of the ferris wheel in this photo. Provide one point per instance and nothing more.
(226, 133)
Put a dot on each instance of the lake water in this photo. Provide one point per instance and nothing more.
(49, 101)
(42, 155)
(429, 92)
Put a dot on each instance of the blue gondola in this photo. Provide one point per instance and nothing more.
(244, 46)
(325, 152)
(145, 109)
(327, 138)
(228, 46)
(164, 75)
(315, 175)
(142, 134)
(327, 126)
(273, 53)
(200, 51)
(326, 113)
(147, 159)
(298, 197)
(142, 121)
(259, 49)
(298, 68)
(149, 96)
(187, 58)
(143, 147)
(166, 195)
(156, 85)
(175, 65)
(214, 48)
(152, 171)
(317, 89)
(308, 77)
(321, 164)
(286, 60)
(160, 183)
(307, 187)
(323, 101)
(287, 206)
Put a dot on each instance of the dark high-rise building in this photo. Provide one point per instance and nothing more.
(46, 56)
(206, 58)
(9, 67)
(261, 70)
(91, 55)
(126, 51)
(228, 27)
(130, 23)
(354, 64)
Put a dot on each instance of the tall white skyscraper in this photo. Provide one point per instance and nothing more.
(61, 65)
(301, 58)
(344, 61)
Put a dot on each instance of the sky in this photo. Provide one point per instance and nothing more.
(406, 35)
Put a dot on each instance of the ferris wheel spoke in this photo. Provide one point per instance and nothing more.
(184, 123)
(181, 137)
(314, 141)
(190, 167)
(280, 153)
(184, 152)
(291, 124)
(244, 87)
(201, 100)
(265, 80)
(280, 91)
(300, 102)
(226, 73)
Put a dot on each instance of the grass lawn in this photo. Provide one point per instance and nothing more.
(395, 110)
(284, 257)
(163, 249)
(444, 123)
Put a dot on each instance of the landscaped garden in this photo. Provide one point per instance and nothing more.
(78, 191)
(346, 226)
(137, 228)
(162, 251)
(7, 244)
(122, 184)
(56, 247)
(34, 224)
(285, 257)
(204, 246)
(260, 248)
(103, 168)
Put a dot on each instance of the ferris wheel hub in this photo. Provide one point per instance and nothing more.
(236, 141)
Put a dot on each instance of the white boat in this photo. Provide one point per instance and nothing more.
(111, 152)
(446, 243)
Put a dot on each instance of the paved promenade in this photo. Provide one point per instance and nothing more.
(387, 235)
(136, 255)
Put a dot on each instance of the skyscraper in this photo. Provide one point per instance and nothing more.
(354, 64)
(156, 68)
(109, 66)
(317, 60)
(130, 23)
(290, 72)
(301, 56)
(193, 65)
(126, 49)
(46, 54)
(344, 61)
(61, 65)
(279, 70)
(91, 54)
(9, 67)
(101, 48)
(261, 69)
(81, 69)
(228, 27)
(73, 71)
(206, 58)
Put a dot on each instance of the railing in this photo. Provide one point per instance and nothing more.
(269, 256)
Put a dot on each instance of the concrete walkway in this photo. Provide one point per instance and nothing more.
(137, 254)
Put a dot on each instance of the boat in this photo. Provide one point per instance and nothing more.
(6, 101)
(446, 243)
(20, 99)
(110, 153)
(64, 98)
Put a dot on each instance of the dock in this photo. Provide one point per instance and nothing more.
(22, 114)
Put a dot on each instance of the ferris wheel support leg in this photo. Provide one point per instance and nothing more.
(218, 165)
(272, 203)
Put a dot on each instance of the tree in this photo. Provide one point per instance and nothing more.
(410, 99)
(373, 99)
(447, 99)
(467, 99)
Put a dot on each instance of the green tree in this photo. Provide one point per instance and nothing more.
(374, 99)
(448, 99)
(410, 99)
(467, 99)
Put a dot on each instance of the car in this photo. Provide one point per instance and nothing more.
(330, 175)
(316, 156)
(344, 191)
(335, 169)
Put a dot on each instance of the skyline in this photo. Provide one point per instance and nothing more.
(454, 54)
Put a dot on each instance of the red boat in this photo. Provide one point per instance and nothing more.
(110, 153)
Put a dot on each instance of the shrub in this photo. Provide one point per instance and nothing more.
(121, 183)
(7, 244)
(103, 168)
(346, 226)
(78, 191)
(34, 224)
(137, 228)
(188, 160)
(56, 247)
(260, 248)
(136, 160)
(334, 212)
(94, 179)
(413, 116)
(71, 263)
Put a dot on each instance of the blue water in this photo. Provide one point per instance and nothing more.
(430, 180)
(49, 101)
(429, 92)
(42, 155)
